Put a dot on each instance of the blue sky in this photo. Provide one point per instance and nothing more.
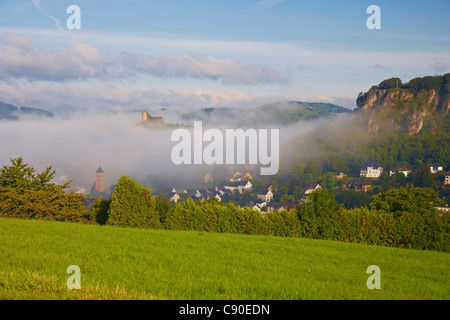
(192, 54)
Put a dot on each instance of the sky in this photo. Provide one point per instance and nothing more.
(194, 54)
(187, 55)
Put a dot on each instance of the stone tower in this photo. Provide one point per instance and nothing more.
(99, 180)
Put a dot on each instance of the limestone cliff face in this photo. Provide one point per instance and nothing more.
(400, 109)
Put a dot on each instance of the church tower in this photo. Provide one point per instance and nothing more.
(99, 180)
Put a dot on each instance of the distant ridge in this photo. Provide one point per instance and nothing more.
(282, 113)
(11, 112)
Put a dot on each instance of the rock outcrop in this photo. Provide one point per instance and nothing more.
(399, 108)
(148, 118)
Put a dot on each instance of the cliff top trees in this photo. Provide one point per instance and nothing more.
(390, 83)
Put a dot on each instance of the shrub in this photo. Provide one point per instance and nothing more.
(407, 198)
(283, 223)
(99, 210)
(429, 231)
(319, 216)
(25, 194)
(132, 205)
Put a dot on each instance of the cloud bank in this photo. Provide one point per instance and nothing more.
(19, 58)
(75, 146)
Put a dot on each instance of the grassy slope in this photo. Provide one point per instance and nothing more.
(120, 263)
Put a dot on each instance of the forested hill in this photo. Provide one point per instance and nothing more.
(11, 112)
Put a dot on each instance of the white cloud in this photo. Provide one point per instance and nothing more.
(198, 66)
(20, 58)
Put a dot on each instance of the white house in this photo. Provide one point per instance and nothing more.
(340, 175)
(371, 169)
(259, 206)
(239, 185)
(174, 196)
(264, 195)
(447, 178)
(310, 188)
(434, 167)
(403, 170)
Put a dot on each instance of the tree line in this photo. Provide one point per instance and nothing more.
(404, 217)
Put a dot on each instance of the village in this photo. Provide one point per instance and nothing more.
(246, 188)
(252, 193)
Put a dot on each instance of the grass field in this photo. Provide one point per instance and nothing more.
(121, 263)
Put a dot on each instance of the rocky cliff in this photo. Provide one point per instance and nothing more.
(399, 108)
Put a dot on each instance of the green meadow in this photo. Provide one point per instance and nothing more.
(125, 263)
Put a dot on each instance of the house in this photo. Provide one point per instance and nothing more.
(340, 175)
(310, 188)
(238, 185)
(447, 178)
(173, 195)
(205, 194)
(258, 205)
(221, 191)
(357, 185)
(193, 193)
(247, 176)
(403, 170)
(236, 176)
(434, 168)
(264, 194)
(241, 177)
(278, 206)
(371, 169)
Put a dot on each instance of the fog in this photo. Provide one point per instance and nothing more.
(78, 144)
